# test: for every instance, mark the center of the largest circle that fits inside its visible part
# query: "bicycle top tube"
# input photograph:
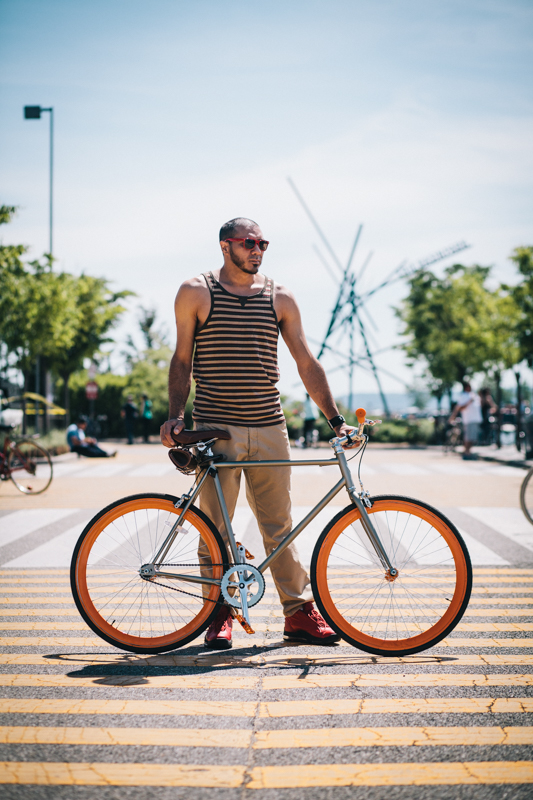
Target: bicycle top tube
(325, 462)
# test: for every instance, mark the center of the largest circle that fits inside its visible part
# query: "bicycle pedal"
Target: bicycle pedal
(247, 628)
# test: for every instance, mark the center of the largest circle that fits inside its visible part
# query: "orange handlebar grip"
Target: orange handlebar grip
(361, 415)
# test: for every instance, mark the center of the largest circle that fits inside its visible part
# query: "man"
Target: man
(230, 319)
(128, 412)
(469, 405)
(309, 417)
(84, 445)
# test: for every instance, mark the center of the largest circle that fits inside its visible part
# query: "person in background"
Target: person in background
(469, 404)
(146, 416)
(310, 416)
(488, 408)
(84, 445)
(129, 413)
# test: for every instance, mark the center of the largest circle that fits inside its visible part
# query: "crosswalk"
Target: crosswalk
(78, 715)
(46, 537)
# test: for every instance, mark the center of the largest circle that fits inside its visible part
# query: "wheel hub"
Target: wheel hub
(391, 575)
(242, 577)
(147, 572)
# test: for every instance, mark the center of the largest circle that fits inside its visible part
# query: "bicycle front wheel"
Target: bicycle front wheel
(30, 466)
(367, 606)
(128, 611)
(526, 496)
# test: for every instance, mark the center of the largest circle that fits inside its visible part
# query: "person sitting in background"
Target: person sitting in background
(84, 445)
(469, 405)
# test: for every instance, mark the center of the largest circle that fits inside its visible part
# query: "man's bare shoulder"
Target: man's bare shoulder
(284, 300)
(192, 290)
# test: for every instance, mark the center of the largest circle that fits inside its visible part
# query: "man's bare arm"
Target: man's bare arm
(179, 377)
(311, 371)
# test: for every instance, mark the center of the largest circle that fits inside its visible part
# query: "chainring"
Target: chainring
(254, 579)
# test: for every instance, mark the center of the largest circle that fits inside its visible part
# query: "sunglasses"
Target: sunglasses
(251, 243)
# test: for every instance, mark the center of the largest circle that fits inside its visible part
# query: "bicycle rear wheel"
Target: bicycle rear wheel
(30, 466)
(370, 609)
(132, 613)
(526, 496)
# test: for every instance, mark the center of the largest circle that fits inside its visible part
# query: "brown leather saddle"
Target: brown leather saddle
(182, 458)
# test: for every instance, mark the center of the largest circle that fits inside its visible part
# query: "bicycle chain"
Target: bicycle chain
(190, 594)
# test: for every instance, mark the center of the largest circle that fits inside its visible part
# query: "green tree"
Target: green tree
(522, 295)
(456, 326)
(97, 311)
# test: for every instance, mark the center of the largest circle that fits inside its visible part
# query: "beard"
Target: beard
(242, 263)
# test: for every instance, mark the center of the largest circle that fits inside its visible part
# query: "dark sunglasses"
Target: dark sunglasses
(251, 243)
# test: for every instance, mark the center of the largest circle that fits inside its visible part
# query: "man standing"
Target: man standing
(230, 319)
(128, 412)
(469, 405)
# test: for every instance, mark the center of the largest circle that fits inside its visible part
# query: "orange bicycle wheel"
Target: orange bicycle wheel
(370, 609)
(130, 612)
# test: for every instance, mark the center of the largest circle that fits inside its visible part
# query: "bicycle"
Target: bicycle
(453, 436)
(390, 574)
(25, 462)
(526, 496)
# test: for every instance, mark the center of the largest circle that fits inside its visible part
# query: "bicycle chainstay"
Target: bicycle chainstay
(190, 594)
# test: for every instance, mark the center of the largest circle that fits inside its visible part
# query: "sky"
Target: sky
(413, 119)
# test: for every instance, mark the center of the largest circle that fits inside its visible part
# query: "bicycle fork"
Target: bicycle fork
(368, 526)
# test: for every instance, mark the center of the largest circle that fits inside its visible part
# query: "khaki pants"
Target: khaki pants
(268, 493)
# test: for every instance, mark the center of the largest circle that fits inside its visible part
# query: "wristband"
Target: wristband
(334, 422)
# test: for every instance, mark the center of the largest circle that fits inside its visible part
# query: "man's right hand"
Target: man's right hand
(168, 428)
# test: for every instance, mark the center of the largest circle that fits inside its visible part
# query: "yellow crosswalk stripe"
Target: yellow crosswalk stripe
(55, 774)
(275, 709)
(118, 658)
(76, 641)
(265, 611)
(171, 737)
(436, 774)
(284, 777)
(23, 599)
(268, 683)
(274, 627)
(270, 739)
(391, 737)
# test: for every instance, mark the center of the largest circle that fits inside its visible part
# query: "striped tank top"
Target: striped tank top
(235, 363)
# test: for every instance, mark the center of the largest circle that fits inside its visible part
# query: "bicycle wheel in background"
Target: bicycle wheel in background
(526, 496)
(370, 609)
(128, 611)
(30, 466)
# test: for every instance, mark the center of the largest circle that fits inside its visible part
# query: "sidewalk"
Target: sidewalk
(507, 454)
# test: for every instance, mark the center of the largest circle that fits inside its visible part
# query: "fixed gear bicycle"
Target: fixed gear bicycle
(25, 462)
(391, 575)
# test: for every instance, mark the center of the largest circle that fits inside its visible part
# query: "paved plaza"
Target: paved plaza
(80, 719)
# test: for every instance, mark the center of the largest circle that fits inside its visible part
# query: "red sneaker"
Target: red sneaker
(218, 635)
(307, 625)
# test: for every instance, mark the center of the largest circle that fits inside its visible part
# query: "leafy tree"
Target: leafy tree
(522, 295)
(97, 311)
(456, 326)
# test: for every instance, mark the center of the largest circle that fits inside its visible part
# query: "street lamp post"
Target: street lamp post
(34, 112)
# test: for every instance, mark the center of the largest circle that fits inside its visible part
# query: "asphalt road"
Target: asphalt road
(82, 720)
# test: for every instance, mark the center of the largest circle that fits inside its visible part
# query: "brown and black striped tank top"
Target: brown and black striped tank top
(236, 359)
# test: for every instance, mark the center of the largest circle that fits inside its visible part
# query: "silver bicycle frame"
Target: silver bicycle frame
(212, 471)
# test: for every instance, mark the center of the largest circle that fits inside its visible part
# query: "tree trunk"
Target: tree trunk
(497, 378)
(518, 432)
(66, 396)
(24, 415)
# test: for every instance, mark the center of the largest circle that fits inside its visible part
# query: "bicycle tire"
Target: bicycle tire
(134, 614)
(434, 587)
(29, 481)
(526, 496)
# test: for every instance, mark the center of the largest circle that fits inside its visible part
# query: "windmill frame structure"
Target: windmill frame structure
(350, 308)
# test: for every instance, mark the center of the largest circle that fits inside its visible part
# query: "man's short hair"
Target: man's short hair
(229, 229)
